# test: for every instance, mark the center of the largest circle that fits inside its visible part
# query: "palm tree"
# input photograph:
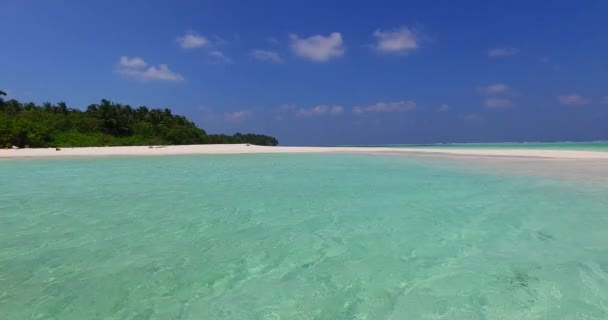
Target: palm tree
(48, 107)
(62, 108)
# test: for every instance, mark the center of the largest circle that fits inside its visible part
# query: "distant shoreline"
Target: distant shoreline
(253, 149)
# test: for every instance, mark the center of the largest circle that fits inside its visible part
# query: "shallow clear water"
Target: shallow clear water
(296, 237)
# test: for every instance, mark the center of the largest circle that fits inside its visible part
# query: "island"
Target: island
(104, 124)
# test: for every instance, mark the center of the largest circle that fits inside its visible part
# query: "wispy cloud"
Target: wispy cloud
(495, 89)
(219, 56)
(573, 100)
(134, 62)
(397, 106)
(335, 110)
(401, 40)
(320, 110)
(318, 48)
(284, 109)
(502, 52)
(288, 107)
(266, 55)
(444, 108)
(497, 103)
(604, 100)
(191, 40)
(239, 115)
(273, 41)
(137, 68)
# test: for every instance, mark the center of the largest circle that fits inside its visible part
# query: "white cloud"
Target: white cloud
(497, 103)
(502, 52)
(320, 110)
(162, 72)
(220, 56)
(398, 106)
(397, 40)
(238, 115)
(318, 48)
(444, 108)
(495, 89)
(544, 59)
(336, 110)
(604, 100)
(137, 68)
(266, 55)
(134, 62)
(191, 40)
(573, 100)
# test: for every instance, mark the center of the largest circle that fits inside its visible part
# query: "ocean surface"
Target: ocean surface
(583, 146)
(286, 236)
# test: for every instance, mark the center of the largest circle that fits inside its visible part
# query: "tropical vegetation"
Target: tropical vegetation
(104, 124)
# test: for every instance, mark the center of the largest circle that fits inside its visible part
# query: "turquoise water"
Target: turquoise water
(296, 237)
(583, 146)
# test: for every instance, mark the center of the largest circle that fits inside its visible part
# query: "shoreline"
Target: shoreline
(252, 149)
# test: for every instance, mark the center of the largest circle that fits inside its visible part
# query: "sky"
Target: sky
(324, 72)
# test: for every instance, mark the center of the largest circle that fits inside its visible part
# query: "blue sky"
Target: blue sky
(324, 72)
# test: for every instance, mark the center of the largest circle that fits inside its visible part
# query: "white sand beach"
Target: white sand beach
(251, 149)
(566, 164)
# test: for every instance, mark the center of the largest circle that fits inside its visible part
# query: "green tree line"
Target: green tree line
(104, 124)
